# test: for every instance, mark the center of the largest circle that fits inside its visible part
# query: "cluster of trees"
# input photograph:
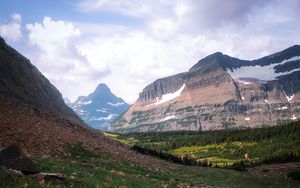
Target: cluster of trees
(165, 141)
(275, 144)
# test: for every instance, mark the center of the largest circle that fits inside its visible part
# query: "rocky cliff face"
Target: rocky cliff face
(99, 108)
(220, 92)
(21, 80)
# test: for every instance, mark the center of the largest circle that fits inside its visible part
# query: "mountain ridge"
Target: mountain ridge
(223, 87)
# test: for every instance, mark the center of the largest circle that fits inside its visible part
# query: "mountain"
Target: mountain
(220, 92)
(21, 80)
(99, 108)
(34, 116)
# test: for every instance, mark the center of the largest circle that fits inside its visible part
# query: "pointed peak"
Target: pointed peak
(216, 54)
(102, 87)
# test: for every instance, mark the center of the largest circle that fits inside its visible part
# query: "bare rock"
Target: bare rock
(12, 157)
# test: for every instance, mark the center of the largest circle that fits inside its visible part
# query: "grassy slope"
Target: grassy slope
(84, 169)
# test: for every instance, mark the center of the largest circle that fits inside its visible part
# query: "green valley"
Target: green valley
(224, 148)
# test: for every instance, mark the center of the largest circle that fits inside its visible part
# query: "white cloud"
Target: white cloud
(16, 17)
(136, 8)
(136, 59)
(12, 30)
(173, 36)
(60, 59)
(214, 14)
(51, 33)
(164, 28)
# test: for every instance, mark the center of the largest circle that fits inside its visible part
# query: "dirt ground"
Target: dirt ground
(275, 170)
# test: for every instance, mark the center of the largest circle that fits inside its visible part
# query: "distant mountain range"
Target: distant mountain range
(99, 108)
(220, 92)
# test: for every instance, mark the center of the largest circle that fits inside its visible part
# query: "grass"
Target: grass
(224, 154)
(84, 169)
(129, 140)
(219, 148)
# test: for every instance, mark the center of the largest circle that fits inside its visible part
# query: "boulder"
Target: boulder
(12, 157)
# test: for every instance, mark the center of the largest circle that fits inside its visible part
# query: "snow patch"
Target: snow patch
(243, 98)
(247, 118)
(266, 101)
(261, 72)
(243, 82)
(288, 98)
(109, 117)
(116, 104)
(283, 108)
(102, 110)
(169, 96)
(88, 102)
(80, 103)
(168, 118)
(294, 117)
(295, 58)
(81, 112)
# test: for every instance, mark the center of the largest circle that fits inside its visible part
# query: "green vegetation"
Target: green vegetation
(129, 140)
(85, 169)
(215, 154)
(225, 147)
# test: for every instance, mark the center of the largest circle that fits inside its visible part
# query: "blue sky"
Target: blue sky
(128, 44)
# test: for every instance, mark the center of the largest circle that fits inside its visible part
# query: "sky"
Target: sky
(128, 44)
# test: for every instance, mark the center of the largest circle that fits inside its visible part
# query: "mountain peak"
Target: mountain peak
(100, 107)
(216, 57)
(102, 91)
(102, 87)
(216, 54)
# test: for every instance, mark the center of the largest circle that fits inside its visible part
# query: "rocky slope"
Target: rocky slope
(99, 108)
(220, 92)
(21, 80)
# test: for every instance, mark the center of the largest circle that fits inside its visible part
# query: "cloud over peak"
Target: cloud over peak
(59, 57)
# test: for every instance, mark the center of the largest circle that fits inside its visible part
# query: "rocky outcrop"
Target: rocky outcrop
(12, 157)
(21, 80)
(220, 92)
